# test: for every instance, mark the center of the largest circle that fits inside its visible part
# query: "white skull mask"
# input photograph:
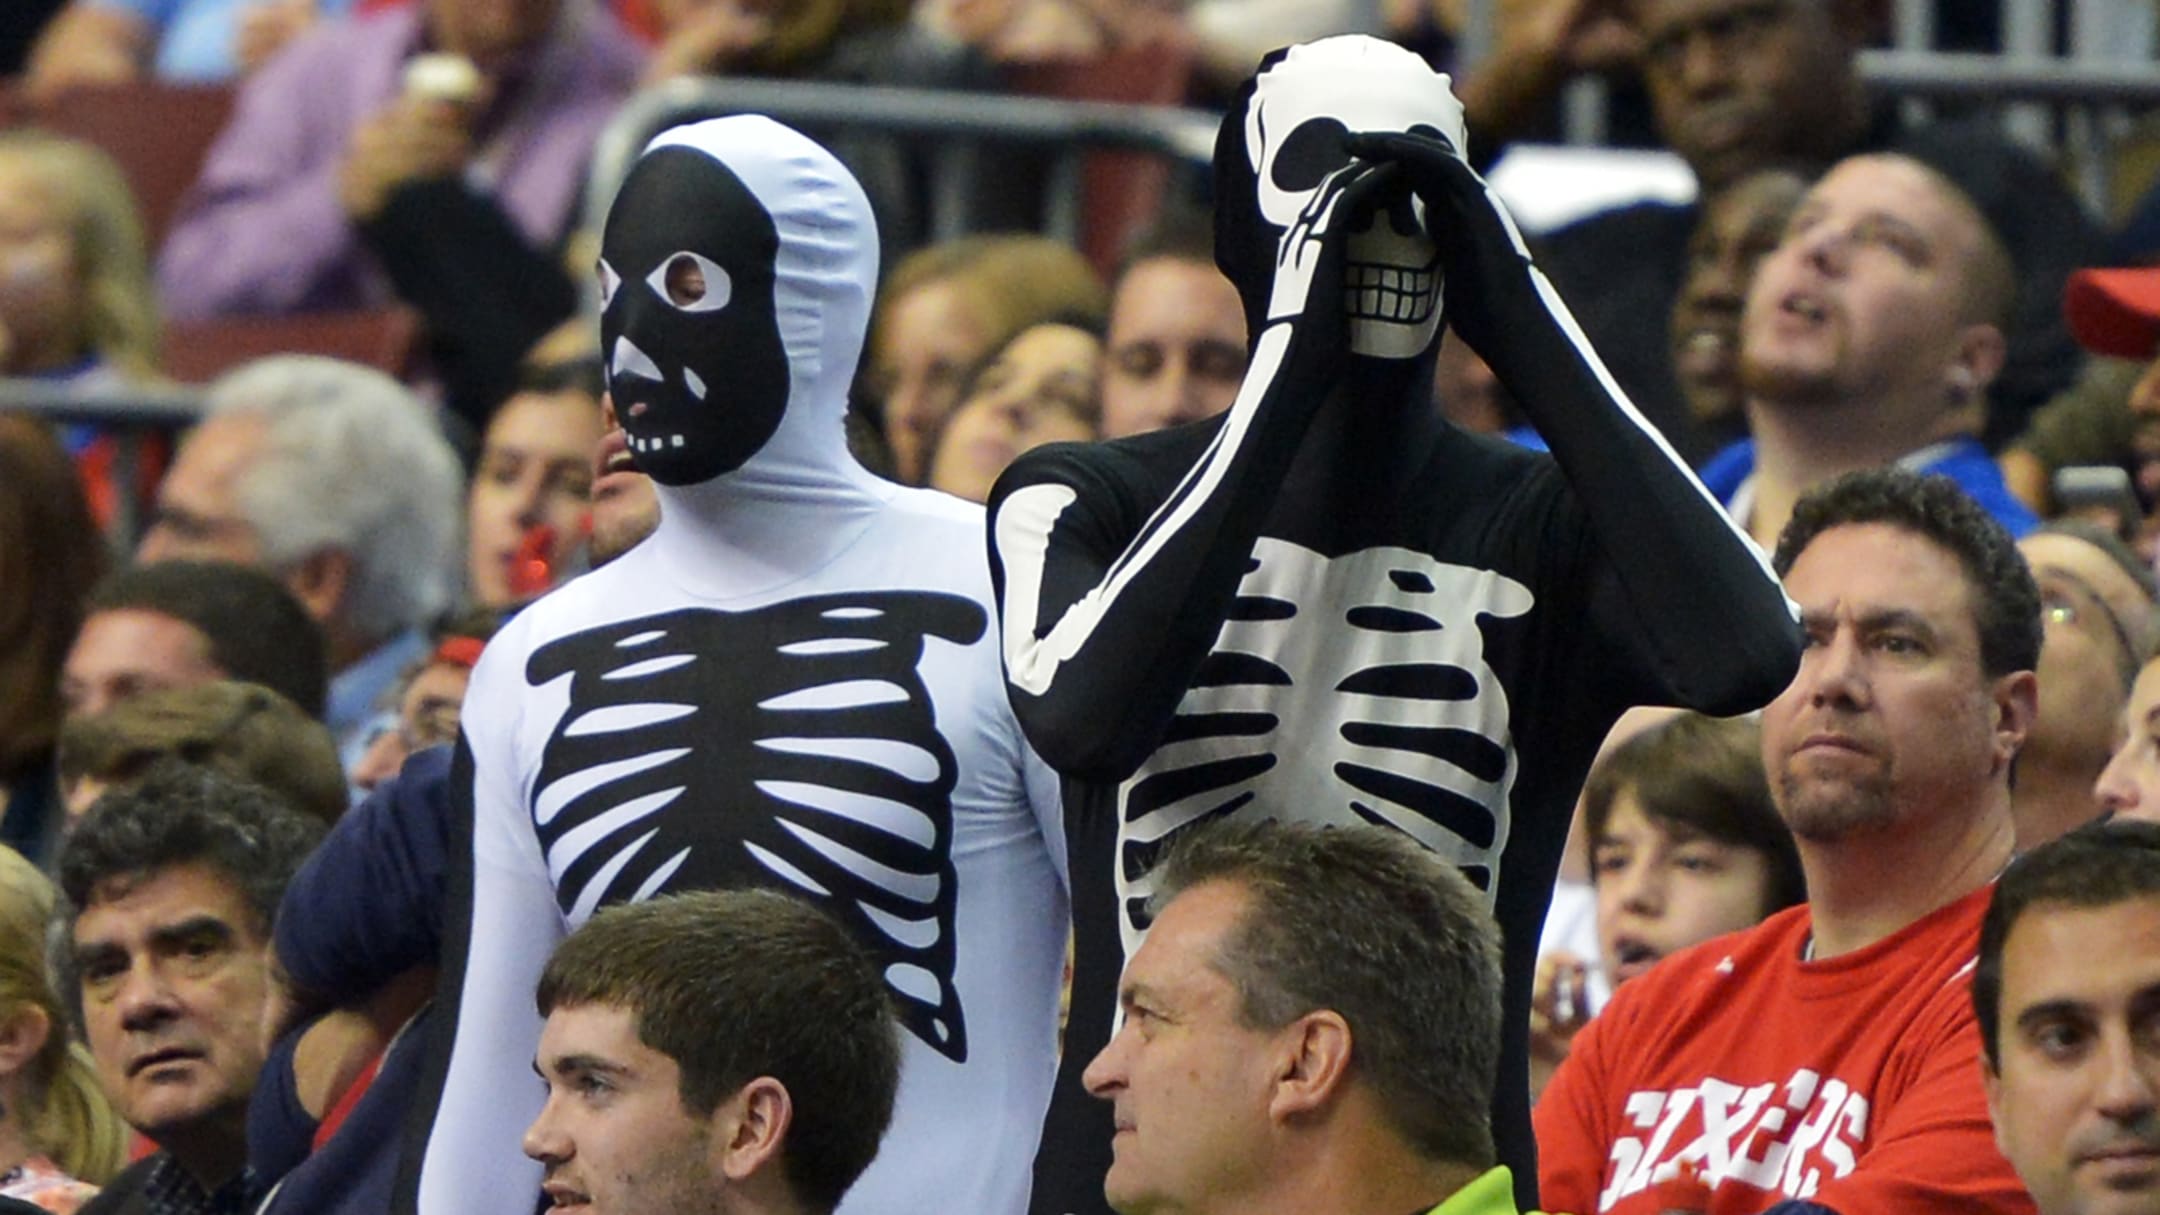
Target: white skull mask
(1301, 109)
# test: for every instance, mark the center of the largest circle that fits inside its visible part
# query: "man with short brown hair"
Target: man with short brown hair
(715, 1053)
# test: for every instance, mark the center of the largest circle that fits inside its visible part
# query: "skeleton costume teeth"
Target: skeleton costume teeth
(1302, 108)
(1329, 605)
(791, 684)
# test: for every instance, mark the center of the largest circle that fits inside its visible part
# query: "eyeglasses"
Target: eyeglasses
(2059, 604)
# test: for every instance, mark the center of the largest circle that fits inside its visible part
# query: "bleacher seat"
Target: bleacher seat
(1121, 192)
(199, 351)
(159, 133)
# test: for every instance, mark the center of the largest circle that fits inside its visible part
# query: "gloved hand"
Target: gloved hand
(1488, 278)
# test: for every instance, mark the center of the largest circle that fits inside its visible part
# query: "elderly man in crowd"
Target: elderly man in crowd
(335, 479)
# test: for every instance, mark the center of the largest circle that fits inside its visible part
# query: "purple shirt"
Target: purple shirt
(262, 230)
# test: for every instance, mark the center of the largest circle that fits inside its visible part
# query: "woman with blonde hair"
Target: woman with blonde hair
(78, 308)
(59, 1138)
(76, 297)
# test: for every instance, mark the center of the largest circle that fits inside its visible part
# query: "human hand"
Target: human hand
(712, 37)
(1559, 1005)
(412, 139)
(1574, 35)
(266, 27)
(1485, 263)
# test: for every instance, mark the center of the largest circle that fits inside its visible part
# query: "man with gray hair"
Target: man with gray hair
(334, 478)
(1313, 1024)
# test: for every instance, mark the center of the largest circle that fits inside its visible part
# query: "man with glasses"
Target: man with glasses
(2096, 603)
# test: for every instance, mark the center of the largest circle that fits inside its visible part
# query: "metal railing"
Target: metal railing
(960, 123)
(129, 414)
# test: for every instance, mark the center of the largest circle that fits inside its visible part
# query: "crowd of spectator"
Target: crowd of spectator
(1885, 945)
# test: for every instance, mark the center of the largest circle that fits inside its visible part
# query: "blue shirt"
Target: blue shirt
(1727, 475)
(195, 38)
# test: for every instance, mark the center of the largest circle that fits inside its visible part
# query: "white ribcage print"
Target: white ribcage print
(1339, 691)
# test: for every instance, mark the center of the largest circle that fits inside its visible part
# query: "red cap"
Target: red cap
(2115, 312)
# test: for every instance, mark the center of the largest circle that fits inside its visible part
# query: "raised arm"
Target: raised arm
(1108, 601)
(1686, 590)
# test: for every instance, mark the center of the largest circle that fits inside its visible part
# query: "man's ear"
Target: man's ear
(22, 1036)
(1313, 1063)
(1981, 351)
(2017, 704)
(320, 581)
(750, 1129)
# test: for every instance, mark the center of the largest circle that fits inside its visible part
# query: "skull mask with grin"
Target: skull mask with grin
(694, 354)
(1297, 112)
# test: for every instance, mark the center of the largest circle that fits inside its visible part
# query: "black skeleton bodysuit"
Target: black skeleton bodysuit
(1329, 604)
(793, 683)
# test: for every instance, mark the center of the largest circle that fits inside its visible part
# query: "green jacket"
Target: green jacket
(1493, 1193)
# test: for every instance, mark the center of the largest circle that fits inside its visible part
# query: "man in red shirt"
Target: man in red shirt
(1826, 1060)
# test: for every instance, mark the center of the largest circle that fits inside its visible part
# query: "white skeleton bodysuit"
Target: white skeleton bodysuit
(793, 683)
(1329, 604)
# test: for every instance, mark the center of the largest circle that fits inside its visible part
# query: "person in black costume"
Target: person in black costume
(1329, 604)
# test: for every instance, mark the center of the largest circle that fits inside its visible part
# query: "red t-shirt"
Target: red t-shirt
(1735, 1076)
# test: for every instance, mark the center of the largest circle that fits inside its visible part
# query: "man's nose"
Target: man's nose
(1835, 673)
(145, 1000)
(2116, 791)
(1105, 1074)
(2126, 1090)
(543, 1140)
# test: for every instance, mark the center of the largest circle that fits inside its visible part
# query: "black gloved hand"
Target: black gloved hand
(1487, 276)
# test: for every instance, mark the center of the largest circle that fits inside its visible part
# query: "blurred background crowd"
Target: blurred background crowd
(301, 393)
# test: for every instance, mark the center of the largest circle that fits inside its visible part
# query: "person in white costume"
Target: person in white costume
(793, 683)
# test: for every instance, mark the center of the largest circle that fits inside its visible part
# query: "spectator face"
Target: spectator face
(40, 294)
(1890, 719)
(1042, 388)
(614, 1135)
(489, 29)
(427, 717)
(1735, 231)
(535, 471)
(1176, 347)
(176, 986)
(198, 512)
(625, 509)
(2076, 1099)
(1187, 1080)
(1662, 886)
(927, 341)
(1862, 299)
(1736, 84)
(130, 651)
(2086, 600)
(2130, 785)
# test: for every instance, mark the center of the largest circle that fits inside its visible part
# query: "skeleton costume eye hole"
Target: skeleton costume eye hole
(609, 281)
(690, 282)
(1312, 151)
